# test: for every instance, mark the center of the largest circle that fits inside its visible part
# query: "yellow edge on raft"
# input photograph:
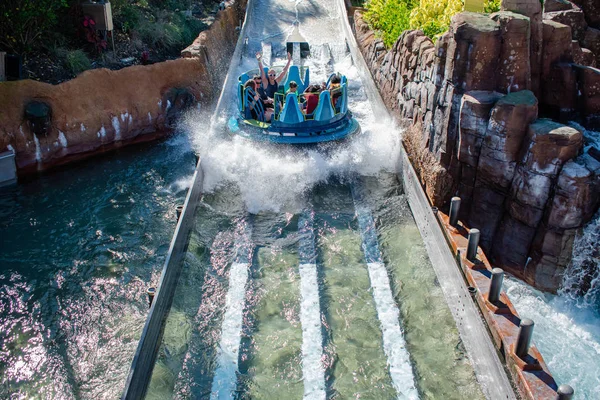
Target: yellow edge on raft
(258, 124)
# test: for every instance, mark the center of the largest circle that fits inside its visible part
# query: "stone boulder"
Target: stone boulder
(557, 5)
(582, 56)
(514, 68)
(591, 8)
(558, 91)
(576, 197)
(472, 58)
(547, 147)
(591, 41)
(532, 10)
(589, 84)
(500, 151)
(474, 115)
(573, 18)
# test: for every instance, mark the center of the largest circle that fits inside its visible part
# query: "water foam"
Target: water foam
(567, 334)
(275, 177)
(310, 312)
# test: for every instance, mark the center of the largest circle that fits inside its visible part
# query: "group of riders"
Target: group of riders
(266, 85)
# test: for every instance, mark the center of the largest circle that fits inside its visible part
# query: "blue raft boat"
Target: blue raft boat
(330, 120)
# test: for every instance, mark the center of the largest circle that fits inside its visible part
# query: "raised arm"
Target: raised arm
(263, 77)
(285, 69)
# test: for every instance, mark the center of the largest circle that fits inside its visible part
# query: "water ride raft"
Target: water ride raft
(292, 121)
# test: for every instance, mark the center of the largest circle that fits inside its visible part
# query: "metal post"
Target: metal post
(151, 292)
(473, 244)
(496, 285)
(565, 392)
(524, 340)
(454, 209)
(179, 210)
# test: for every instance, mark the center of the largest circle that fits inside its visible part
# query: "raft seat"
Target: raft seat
(324, 111)
(294, 75)
(291, 113)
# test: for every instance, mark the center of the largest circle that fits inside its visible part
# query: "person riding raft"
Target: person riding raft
(270, 85)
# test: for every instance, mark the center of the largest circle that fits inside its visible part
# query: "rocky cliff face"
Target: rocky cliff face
(472, 104)
(101, 109)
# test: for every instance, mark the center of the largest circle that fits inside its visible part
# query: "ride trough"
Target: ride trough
(329, 120)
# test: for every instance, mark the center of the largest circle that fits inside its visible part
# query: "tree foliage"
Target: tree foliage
(23, 22)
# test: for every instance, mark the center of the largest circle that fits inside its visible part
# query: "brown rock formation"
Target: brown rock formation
(549, 145)
(591, 8)
(466, 138)
(514, 68)
(591, 41)
(500, 152)
(558, 92)
(576, 196)
(533, 10)
(573, 18)
(582, 56)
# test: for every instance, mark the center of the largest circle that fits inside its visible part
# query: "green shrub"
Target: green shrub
(129, 18)
(433, 16)
(389, 17)
(491, 6)
(23, 22)
(77, 61)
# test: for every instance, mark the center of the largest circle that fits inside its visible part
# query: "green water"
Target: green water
(270, 363)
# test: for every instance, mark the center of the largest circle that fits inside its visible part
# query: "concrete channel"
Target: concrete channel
(488, 368)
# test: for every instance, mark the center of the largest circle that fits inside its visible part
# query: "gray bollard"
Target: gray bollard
(565, 392)
(473, 244)
(496, 285)
(179, 210)
(454, 209)
(524, 340)
(151, 292)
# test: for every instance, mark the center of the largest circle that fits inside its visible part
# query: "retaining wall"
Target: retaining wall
(471, 110)
(100, 110)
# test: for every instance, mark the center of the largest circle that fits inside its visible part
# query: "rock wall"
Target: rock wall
(472, 105)
(46, 125)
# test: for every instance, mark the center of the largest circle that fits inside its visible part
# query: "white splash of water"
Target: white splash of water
(567, 335)
(276, 177)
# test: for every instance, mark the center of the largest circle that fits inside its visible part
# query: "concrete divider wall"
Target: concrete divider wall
(470, 106)
(103, 109)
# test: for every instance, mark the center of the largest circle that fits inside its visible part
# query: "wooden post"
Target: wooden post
(2, 67)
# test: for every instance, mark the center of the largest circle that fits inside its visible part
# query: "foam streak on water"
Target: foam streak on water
(310, 313)
(225, 378)
(394, 344)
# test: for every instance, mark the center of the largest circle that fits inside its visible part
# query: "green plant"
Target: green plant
(23, 22)
(433, 16)
(389, 17)
(77, 61)
(129, 17)
(491, 6)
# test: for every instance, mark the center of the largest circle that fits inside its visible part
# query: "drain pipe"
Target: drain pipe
(178, 211)
(454, 209)
(524, 340)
